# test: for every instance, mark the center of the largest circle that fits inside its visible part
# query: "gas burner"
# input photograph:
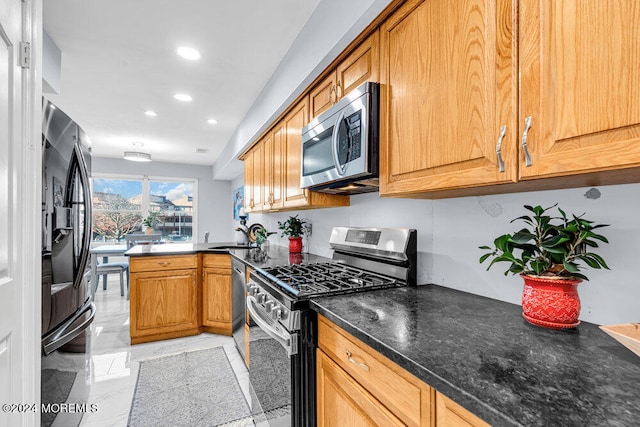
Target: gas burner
(304, 280)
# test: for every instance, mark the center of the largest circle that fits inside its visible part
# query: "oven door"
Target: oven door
(270, 368)
(335, 146)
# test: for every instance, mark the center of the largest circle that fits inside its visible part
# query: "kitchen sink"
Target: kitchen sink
(231, 247)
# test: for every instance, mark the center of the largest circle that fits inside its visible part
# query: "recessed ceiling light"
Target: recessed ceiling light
(212, 121)
(188, 53)
(182, 97)
(150, 113)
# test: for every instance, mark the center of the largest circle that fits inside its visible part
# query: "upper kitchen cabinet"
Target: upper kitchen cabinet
(293, 195)
(274, 164)
(253, 177)
(448, 96)
(580, 86)
(361, 65)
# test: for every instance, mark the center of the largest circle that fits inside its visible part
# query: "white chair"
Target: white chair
(106, 268)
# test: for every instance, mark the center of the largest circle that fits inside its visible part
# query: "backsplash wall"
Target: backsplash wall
(450, 231)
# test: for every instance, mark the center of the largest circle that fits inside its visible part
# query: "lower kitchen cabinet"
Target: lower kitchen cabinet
(216, 294)
(357, 386)
(377, 381)
(343, 402)
(164, 298)
(449, 413)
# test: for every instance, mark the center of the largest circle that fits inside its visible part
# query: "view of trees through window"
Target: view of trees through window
(121, 205)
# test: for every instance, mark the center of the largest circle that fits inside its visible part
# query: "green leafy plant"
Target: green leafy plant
(262, 235)
(549, 245)
(151, 219)
(293, 227)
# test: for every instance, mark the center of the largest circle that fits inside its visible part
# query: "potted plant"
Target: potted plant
(150, 221)
(548, 253)
(293, 227)
(258, 253)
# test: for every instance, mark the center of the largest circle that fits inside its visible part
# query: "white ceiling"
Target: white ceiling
(119, 60)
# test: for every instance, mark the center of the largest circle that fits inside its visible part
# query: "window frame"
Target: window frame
(146, 192)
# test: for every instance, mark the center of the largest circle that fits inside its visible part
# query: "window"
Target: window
(174, 201)
(121, 204)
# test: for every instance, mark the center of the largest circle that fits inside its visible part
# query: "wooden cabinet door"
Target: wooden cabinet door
(248, 181)
(341, 401)
(163, 302)
(323, 95)
(298, 117)
(450, 414)
(580, 84)
(258, 178)
(216, 301)
(447, 88)
(360, 66)
(274, 163)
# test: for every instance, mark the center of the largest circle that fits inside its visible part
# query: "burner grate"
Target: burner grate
(326, 278)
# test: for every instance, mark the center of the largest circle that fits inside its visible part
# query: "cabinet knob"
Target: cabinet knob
(338, 90)
(527, 126)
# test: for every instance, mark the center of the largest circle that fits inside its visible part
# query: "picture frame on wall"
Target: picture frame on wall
(238, 202)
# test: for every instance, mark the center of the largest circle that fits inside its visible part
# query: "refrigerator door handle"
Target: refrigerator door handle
(86, 238)
(60, 336)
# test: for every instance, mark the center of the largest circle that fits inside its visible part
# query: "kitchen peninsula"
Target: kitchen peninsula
(472, 353)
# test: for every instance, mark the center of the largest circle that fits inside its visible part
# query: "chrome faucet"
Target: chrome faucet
(245, 231)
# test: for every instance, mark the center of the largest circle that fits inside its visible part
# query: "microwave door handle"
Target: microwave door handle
(334, 144)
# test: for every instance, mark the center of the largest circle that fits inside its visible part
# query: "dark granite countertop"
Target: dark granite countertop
(276, 255)
(483, 355)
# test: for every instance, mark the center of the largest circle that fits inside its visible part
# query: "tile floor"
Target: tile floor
(107, 373)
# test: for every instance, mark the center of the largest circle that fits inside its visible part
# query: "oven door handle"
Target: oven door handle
(288, 341)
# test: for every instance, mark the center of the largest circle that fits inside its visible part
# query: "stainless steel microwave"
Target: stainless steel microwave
(340, 146)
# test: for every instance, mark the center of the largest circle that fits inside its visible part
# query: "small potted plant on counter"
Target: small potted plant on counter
(150, 221)
(259, 253)
(547, 253)
(293, 227)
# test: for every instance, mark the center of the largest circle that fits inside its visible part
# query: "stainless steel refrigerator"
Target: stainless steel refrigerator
(67, 307)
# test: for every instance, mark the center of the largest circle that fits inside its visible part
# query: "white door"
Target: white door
(19, 225)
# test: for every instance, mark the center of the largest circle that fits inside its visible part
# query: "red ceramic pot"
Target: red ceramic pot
(295, 245)
(550, 302)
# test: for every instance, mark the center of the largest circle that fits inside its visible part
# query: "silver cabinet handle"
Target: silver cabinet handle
(503, 131)
(527, 126)
(351, 360)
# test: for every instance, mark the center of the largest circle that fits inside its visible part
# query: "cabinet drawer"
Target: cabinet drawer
(217, 261)
(391, 385)
(161, 263)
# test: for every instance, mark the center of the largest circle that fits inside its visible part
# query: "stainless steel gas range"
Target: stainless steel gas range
(282, 351)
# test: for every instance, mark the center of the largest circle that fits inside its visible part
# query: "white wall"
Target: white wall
(330, 28)
(214, 206)
(450, 231)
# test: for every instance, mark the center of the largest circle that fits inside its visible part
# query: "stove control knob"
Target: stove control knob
(253, 290)
(269, 305)
(276, 313)
(261, 298)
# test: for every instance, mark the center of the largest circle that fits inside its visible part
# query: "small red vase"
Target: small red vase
(551, 303)
(295, 245)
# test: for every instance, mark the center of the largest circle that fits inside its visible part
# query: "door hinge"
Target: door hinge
(25, 54)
